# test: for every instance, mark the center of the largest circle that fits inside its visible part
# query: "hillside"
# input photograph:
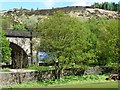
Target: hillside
(76, 9)
(83, 13)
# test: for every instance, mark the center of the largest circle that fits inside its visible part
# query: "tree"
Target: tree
(107, 6)
(118, 8)
(4, 49)
(70, 40)
(96, 5)
(114, 8)
(106, 34)
(66, 38)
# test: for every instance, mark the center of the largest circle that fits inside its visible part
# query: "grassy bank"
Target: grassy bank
(75, 84)
(96, 84)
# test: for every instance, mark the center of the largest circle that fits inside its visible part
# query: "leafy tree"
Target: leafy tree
(96, 5)
(67, 38)
(84, 43)
(107, 6)
(118, 7)
(113, 38)
(106, 34)
(114, 8)
(4, 49)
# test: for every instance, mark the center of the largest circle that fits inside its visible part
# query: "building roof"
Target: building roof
(20, 34)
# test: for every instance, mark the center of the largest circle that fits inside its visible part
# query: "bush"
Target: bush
(40, 68)
(67, 79)
(5, 50)
(110, 69)
(19, 27)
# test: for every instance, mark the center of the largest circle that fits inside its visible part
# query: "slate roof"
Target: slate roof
(20, 34)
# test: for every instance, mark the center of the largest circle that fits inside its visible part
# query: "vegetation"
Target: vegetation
(6, 23)
(40, 68)
(107, 6)
(59, 37)
(105, 41)
(5, 50)
(29, 22)
(19, 27)
(71, 41)
(88, 85)
(20, 23)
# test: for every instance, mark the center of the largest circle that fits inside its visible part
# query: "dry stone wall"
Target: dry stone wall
(20, 76)
(9, 78)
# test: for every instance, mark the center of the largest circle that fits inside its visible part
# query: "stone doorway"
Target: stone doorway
(19, 56)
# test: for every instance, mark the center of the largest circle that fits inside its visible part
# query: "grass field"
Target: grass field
(88, 85)
(75, 84)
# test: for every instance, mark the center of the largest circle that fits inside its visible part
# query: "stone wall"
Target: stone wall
(94, 70)
(20, 76)
(9, 78)
(102, 70)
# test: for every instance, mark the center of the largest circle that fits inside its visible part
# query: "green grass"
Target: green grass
(87, 85)
(75, 84)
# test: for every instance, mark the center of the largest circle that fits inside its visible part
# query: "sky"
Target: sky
(46, 4)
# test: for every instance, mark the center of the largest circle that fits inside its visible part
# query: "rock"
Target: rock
(93, 70)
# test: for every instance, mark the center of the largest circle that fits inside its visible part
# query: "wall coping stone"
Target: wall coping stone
(21, 70)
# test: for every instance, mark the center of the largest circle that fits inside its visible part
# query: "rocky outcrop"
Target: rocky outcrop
(76, 10)
(103, 13)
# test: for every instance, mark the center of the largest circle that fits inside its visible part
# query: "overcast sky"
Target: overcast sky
(46, 4)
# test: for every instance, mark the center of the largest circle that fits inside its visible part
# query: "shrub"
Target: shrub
(40, 68)
(5, 50)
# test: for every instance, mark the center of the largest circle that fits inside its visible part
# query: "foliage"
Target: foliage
(107, 6)
(6, 23)
(67, 79)
(67, 38)
(40, 68)
(105, 40)
(75, 66)
(29, 22)
(94, 42)
(60, 34)
(19, 27)
(5, 49)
